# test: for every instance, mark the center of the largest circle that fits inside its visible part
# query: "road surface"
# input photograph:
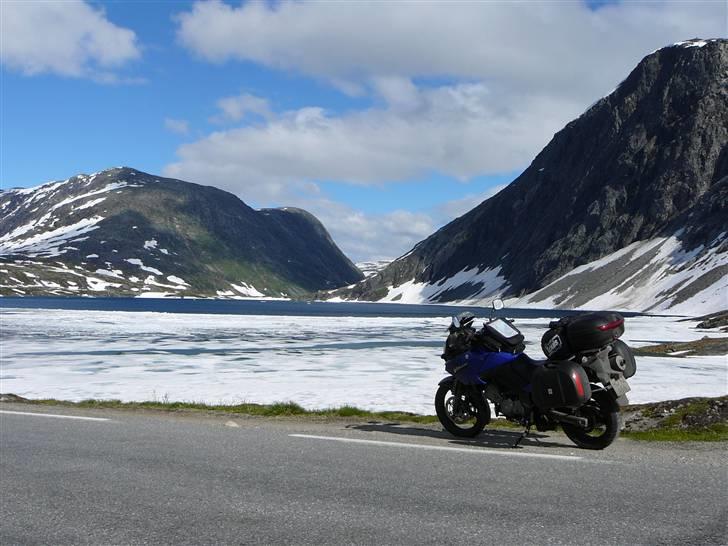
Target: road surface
(135, 477)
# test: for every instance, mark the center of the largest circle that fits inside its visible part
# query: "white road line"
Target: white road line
(54, 416)
(475, 450)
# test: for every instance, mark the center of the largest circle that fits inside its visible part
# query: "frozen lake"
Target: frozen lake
(377, 363)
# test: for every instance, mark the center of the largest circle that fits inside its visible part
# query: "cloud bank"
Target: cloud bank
(68, 38)
(458, 89)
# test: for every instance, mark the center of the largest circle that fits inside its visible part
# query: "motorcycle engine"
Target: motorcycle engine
(510, 407)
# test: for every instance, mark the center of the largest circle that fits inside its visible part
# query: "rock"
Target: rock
(715, 320)
(12, 398)
(684, 414)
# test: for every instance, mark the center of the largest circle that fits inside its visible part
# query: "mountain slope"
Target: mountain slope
(643, 164)
(124, 232)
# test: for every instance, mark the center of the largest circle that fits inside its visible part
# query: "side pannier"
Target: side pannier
(560, 385)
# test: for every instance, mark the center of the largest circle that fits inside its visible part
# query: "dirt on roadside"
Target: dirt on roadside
(710, 346)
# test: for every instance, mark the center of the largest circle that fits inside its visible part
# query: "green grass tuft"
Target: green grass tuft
(714, 433)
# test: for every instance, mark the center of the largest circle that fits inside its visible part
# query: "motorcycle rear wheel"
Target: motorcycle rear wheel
(603, 415)
(465, 415)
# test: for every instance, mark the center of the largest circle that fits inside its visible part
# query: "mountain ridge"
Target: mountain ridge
(630, 168)
(134, 233)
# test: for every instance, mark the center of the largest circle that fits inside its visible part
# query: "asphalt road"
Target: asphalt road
(151, 478)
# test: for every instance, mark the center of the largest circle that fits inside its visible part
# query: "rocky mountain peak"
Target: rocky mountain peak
(625, 171)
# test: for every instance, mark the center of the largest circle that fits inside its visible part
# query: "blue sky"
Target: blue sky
(386, 120)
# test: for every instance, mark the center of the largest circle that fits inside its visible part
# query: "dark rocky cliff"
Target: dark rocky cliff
(632, 167)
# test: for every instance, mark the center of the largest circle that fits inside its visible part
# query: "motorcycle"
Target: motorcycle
(580, 387)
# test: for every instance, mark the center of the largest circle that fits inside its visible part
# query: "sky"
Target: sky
(385, 119)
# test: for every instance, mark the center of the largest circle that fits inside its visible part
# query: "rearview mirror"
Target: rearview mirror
(498, 304)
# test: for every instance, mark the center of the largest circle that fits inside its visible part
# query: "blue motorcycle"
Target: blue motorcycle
(580, 386)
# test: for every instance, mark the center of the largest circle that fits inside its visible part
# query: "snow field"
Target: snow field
(318, 362)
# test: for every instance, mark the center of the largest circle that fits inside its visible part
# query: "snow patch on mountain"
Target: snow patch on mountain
(105, 189)
(46, 243)
(470, 284)
(655, 275)
(138, 262)
(247, 290)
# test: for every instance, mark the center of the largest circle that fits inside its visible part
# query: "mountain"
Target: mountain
(625, 207)
(372, 267)
(125, 232)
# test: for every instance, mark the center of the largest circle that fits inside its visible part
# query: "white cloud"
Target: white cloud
(525, 70)
(364, 237)
(179, 126)
(561, 48)
(371, 236)
(238, 107)
(69, 38)
(462, 131)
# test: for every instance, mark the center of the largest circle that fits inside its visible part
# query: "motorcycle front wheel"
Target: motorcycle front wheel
(603, 415)
(464, 414)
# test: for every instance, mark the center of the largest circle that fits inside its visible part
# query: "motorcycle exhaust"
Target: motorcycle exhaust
(582, 422)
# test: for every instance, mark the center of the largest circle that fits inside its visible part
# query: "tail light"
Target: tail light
(578, 383)
(611, 325)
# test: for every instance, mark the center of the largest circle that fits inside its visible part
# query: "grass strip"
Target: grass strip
(278, 409)
(715, 433)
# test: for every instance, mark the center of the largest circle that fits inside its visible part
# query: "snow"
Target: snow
(605, 283)
(110, 273)
(671, 267)
(92, 256)
(97, 285)
(175, 279)
(48, 242)
(152, 281)
(91, 203)
(245, 289)
(374, 363)
(110, 187)
(155, 295)
(692, 43)
(489, 280)
(150, 244)
(138, 262)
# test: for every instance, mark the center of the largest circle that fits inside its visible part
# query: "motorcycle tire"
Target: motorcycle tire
(466, 421)
(603, 415)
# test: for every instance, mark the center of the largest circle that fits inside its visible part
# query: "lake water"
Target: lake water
(267, 307)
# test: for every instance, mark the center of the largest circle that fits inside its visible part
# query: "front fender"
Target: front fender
(449, 380)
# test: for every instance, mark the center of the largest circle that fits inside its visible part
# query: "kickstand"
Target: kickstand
(523, 435)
